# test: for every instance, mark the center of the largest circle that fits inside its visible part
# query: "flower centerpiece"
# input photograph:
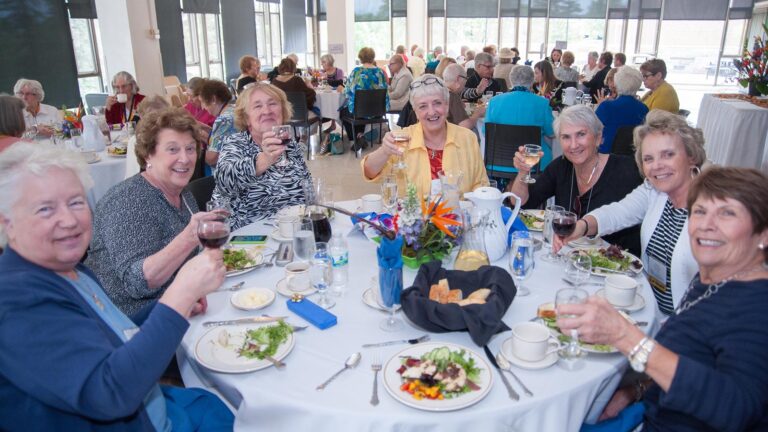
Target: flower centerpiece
(72, 120)
(429, 228)
(753, 67)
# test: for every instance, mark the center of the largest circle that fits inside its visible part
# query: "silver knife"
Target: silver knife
(251, 320)
(512, 393)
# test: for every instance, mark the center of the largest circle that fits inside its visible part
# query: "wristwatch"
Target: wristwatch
(638, 357)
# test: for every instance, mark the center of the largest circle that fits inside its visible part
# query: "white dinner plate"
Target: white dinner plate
(599, 271)
(212, 355)
(636, 305)
(392, 380)
(256, 252)
(539, 214)
(252, 298)
(282, 289)
(506, 351)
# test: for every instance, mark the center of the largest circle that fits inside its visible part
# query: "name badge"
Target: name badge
(130, 333)
(657, 274)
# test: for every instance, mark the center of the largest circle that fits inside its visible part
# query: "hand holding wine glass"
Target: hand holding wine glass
(531, 156)
(402, 138)
(563, 225)
(285, 134)
(213, 233)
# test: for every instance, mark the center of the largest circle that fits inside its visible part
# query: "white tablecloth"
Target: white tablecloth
(106, 173)
(735, 132)
(286, 400)
(329, 102)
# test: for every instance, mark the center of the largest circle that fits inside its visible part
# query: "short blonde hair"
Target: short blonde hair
(665, 123)
(366, 55)
(241, 108)
(567, 58)
(246, 61)
(150, 126)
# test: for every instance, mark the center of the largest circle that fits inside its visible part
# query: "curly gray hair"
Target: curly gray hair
(627, 80)
(32, 85)
(36, 159)
(521, 75)
(580, 115)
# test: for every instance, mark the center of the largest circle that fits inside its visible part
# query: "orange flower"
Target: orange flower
(437, 213)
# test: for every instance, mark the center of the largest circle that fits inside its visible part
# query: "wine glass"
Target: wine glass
(221, 207)
(549, 215)
(531, 154)
(390, 288)
(402, 139)
(389, 194)
(303, 239)
(320, 274)
(571, 296)
(563, 224)
(284, 133)
(213, 233)
(77, 138)
(578, 268)
(521, 260)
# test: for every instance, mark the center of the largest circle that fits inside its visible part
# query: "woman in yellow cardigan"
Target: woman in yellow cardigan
(435, 144)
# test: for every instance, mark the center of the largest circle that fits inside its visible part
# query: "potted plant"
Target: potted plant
(753, 67)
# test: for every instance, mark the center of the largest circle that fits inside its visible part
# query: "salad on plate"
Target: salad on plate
(439, 374)
(612, 260)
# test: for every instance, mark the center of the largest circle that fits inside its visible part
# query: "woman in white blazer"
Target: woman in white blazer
(669, 154)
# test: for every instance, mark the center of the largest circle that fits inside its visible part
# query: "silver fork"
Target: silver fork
(375, 367)
(235, 287)
(278, 364)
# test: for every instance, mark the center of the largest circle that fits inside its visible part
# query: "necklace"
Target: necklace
(712, 289)
(591, 175)
(76, 280)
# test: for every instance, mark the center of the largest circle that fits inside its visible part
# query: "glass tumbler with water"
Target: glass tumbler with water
(303, 239)
(320, 272)
(571, 296)
(549, 215)
(521, 261)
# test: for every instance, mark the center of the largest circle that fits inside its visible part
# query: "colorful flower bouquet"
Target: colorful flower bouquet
(753, 67)
(72, 120)
(429, 228)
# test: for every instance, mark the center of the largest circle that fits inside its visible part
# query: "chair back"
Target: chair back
(202, 190)
(685, 113)
(622, 142)
(299, 102)
(502, 84)
(171, 80)
(370, 103)
(93, 100)
(501, 143)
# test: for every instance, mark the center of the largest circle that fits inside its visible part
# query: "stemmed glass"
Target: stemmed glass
(578, 268)
(213, 233)
(549, 216)
(284, 133)
(563, 224)
(571, 296)
(532, 154)
(521, 260)
(390, 288)
(389, 193)
(402, 138)
(320, 274)
(220, 207)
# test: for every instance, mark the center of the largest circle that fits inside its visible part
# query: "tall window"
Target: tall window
(86, 39)
(268, 32)
(372, 26)
(202, 45)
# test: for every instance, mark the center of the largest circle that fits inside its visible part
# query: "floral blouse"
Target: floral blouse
(222, 127)
(255, 197)
(363, 78)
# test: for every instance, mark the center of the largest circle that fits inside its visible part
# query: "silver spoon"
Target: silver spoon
(351, 362)
(234, 287)
(504, 364)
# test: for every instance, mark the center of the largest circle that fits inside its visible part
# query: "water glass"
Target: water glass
(389, 194)
(578, 268)
(221, 207)
(549, 215)
(284, 133)
(303, 239)
(521, 262)
(571, 296)
(390, 287)
(320, 273)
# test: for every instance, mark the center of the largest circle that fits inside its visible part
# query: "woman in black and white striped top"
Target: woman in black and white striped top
(248, 173)
(669, 154)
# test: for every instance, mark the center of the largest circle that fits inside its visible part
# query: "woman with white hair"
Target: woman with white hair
(122, 107)
(581, 179)
(71, 360)
(435, 144)
(625, 110)
(334, 75)
(39, 118)
(591, 68)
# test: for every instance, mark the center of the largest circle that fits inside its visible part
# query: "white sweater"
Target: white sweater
(645, 204)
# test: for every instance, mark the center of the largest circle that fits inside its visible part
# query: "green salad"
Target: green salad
(612, 258)
(552, 323)
(272, 336)
(531, 221)
(237, 259)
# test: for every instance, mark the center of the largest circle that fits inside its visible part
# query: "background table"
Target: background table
(106, 173)
(329, 102)
(735, 132)
(272, 400)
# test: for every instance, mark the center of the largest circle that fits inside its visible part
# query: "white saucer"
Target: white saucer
(282, 289)
(506, 351)
(369, 298)
(278, 238)
(637, 305)
(239, 298)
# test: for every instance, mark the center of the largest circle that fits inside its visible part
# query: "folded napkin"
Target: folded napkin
(482, 321)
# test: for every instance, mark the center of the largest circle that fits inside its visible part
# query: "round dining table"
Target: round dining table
(106, 172)
(286, 399)
(329, 101)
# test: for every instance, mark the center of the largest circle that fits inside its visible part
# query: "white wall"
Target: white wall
(417, 24)
(341, 30)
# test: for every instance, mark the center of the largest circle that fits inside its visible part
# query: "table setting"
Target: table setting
(392, 347)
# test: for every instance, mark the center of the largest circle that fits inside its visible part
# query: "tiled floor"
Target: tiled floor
(343, 174)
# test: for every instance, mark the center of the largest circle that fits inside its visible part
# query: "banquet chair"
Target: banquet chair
(171, 80)
(202, 190)
(93, 100)
(684, 113)
(502, 84)
(623, 141)
(301, 116)
(501, 143)
(370, 108)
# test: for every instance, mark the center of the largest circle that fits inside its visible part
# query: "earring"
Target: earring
(149, 165)
(761, 246)
(695, 171)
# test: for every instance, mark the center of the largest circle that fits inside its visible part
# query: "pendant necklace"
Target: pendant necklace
(712, 289)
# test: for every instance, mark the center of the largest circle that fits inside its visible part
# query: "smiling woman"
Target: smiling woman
(145, 228)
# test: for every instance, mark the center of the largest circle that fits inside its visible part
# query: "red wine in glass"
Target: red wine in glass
(321, 227)
(213, 233)
(563, 224)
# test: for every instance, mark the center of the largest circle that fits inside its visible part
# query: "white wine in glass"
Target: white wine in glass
(389, 193)
(402, 138)
(532, 155)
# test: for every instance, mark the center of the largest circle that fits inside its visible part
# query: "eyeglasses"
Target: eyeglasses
(484, 65)
(426, 82)
(463, 76)
(646, 76)
(22, 94)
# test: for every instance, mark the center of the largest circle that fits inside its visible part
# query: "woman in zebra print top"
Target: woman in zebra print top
(669, 154)
(247, 172)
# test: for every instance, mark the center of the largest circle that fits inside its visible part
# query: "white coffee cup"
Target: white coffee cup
(285, 225)
(533, 342)
(371, 203)
(620, 290)
(297, 276)
(122, 97)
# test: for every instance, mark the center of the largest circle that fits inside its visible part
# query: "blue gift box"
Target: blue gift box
(313, 313)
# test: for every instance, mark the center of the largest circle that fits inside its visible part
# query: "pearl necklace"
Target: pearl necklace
(712, 289)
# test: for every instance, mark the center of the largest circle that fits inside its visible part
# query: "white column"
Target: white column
(341, 32)
(129, 39)
(417, 24)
